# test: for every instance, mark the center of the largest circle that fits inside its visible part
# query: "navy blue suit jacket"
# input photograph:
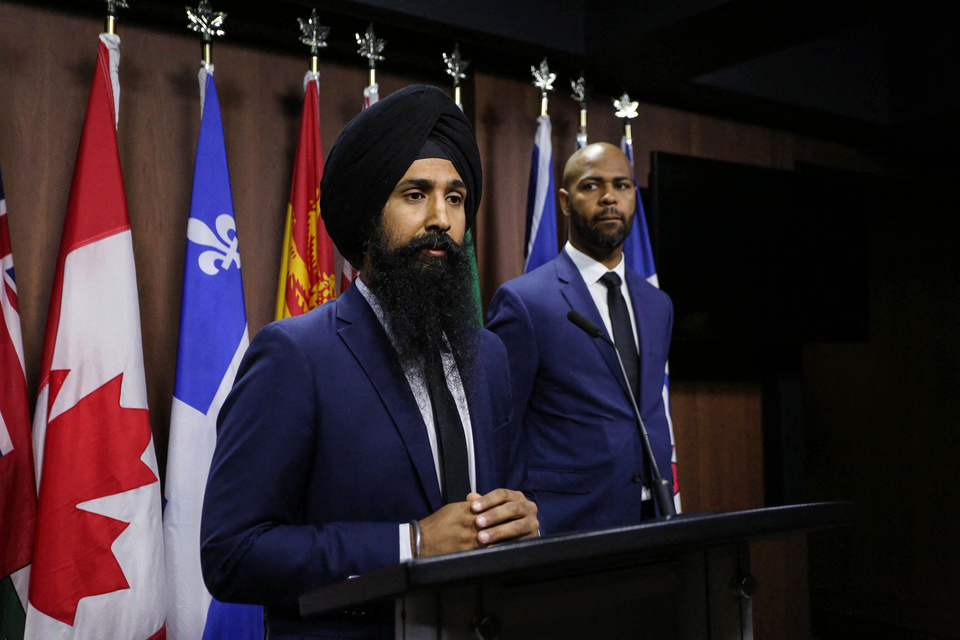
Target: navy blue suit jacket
(321, 453)
(580, 446)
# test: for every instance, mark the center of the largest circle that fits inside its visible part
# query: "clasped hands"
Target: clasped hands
(478, 522)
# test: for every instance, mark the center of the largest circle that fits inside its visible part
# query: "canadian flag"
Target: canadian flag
(98, 554)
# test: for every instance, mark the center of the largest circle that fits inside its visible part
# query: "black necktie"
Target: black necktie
(451, 442)
(622, 328)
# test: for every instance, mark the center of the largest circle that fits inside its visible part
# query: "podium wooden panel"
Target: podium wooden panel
(685, 578)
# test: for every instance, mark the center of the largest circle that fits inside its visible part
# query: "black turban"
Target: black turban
(374, 151)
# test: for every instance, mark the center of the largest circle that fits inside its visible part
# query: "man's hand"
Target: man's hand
(481, 521)
(504, 515)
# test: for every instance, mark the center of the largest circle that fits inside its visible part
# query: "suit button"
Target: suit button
(636, 478)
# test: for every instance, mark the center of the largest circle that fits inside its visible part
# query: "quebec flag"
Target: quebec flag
(541, 232)
(213, 339)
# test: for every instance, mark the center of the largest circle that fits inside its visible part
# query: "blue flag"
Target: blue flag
(213, 339)
(540, 244)
(636, 249)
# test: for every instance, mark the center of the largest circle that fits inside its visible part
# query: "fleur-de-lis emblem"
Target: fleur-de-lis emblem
(542, 78)
(625, 107)
(206, 21)
(224, 246)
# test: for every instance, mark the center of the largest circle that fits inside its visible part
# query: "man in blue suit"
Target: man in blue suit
(376, 428)
(582, 457)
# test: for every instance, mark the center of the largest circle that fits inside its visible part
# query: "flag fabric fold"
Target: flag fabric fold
(540, 241)
(97, 567)
(213, 339)
(638, 255)
(307, 277)
(18, 493)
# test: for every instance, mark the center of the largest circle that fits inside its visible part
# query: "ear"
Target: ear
(564, 197)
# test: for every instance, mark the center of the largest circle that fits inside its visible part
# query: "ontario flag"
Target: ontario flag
(307, 277)
(213, 339)
(638, 255)
(541, 229)
(18, 492)
(98, 557)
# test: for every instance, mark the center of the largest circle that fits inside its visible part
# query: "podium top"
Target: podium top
(562, 554)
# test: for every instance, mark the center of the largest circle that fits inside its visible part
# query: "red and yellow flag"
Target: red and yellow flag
(306, 267)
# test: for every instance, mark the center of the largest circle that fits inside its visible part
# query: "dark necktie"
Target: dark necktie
(622, 328)
(451, 442)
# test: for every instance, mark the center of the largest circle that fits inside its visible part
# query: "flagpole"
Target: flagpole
(371, 48)
(626, 111)
(207, 22)
(580, 95)
(543, 80)
(455, 69)
(111, 23)
(315, 37)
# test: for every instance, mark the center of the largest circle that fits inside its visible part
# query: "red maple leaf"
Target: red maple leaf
(92, 451)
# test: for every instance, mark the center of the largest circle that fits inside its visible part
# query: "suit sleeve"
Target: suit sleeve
(510, 320)
(257, 545)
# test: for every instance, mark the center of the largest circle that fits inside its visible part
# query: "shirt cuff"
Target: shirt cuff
(406, 554)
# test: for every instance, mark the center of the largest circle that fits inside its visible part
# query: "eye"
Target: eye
(455, 198)
(414, 196)
(589, 186)
(624, 185)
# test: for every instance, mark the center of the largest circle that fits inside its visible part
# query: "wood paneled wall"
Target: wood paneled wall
(46, 63)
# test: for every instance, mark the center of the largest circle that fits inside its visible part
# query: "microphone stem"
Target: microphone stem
(660, 488)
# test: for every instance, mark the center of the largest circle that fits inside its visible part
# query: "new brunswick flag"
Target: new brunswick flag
(307, 277)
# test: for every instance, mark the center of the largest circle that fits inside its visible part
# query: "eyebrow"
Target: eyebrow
(427, 183)
(600, 179)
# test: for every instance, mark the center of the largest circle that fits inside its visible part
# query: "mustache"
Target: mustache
(613, 210)
(440, 241)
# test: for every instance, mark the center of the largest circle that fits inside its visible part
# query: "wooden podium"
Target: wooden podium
(686, 578)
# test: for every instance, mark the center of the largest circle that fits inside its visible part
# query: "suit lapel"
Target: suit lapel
(363, 334)
(482, 425)
(575, 291)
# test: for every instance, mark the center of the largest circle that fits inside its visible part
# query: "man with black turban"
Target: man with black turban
(377, 427)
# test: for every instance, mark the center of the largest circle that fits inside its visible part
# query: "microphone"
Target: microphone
(661, 488)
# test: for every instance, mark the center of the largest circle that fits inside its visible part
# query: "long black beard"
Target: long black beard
(428, 301)
(596, 239)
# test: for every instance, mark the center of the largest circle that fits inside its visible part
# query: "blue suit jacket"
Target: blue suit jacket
(321, 453)
(580, 445)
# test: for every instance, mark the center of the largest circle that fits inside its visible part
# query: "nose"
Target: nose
(609, 196)
(438, 218)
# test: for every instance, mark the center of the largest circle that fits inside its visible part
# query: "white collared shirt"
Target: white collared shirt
(591, 271)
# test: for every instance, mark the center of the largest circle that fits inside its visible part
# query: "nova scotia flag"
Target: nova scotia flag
(541, 233)
(213, 338)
